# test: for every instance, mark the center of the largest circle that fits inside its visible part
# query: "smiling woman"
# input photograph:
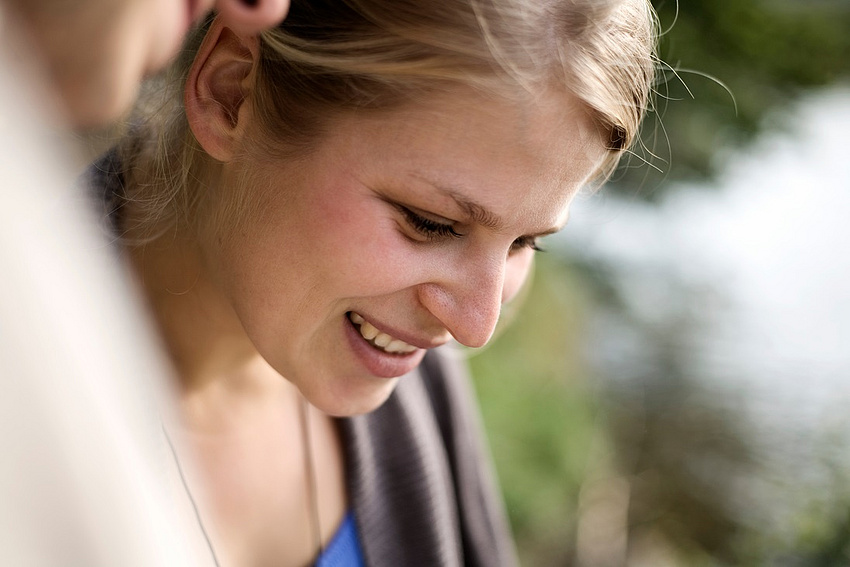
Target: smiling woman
(314, 213)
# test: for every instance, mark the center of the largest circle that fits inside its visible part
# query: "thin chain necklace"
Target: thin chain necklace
(309, 469)
(310, 472)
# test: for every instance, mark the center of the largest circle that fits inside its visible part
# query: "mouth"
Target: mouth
(377, 339)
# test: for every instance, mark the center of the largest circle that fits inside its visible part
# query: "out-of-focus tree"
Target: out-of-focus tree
(542, 416)
(728, 67)
(632, 460)
(682, 450)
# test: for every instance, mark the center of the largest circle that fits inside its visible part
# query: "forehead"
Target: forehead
(520, 159)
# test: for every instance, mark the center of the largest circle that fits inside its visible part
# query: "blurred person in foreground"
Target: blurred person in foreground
(86, 476)
(315, 212)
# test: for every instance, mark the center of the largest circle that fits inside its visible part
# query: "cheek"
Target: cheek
(361, 241)
(516, 273)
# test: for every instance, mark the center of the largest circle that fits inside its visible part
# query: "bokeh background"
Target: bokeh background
(675, 389)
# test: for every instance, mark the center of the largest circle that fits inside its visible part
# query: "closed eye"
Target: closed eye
(523, 242)
(430, 229)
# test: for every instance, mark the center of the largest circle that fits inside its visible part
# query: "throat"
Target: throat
(203, 335)
(267, 495)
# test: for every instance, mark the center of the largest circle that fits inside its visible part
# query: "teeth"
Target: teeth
(399, 346)
(378, 339)
(368, 331)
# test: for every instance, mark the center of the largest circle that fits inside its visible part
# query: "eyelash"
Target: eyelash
(434, 230)
(526, 242)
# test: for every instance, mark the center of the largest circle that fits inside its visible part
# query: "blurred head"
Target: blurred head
(369, 179)
(96, 52)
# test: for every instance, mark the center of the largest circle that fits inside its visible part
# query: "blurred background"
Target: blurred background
(675, 389)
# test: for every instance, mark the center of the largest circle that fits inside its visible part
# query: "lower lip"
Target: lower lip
(379, 363)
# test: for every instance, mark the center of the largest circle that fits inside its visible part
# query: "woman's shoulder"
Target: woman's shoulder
(419, 473)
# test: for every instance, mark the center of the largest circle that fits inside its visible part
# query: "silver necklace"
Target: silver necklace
(310, 472)
(309, 469)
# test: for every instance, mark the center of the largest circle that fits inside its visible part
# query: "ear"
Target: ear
(218, 85)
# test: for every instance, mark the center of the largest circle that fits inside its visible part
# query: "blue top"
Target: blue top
(344, 549)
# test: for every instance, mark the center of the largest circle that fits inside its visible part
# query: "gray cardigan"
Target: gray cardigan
(419, 474)
(420, 478)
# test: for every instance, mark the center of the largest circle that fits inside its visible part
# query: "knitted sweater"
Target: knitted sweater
(420, 478)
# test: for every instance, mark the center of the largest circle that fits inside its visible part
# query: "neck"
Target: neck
(269, 466)
(202, 333)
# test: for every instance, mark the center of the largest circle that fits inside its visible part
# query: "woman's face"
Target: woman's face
(399, 233)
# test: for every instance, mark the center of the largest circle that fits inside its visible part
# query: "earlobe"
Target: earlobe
(219, 83)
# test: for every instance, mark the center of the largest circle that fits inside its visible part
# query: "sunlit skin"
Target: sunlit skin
(336, 233)
(420, 220)
(96, 52)
(339, 234)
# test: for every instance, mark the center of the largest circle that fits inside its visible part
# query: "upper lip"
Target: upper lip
(417, 341)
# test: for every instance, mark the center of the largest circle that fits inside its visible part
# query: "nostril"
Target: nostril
(251, 3)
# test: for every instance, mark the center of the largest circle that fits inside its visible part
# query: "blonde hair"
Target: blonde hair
(336, 56)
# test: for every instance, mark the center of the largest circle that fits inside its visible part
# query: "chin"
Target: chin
(351, 397)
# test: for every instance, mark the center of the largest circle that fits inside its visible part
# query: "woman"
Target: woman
(318, 210)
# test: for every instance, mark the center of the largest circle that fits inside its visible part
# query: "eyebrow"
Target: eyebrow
(478, 213)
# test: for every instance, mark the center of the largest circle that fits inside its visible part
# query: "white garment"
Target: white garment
(86, 477)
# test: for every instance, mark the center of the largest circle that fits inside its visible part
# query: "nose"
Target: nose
(467, 298)
(252, 16)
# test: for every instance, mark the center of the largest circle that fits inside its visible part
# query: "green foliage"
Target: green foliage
(698, 494)
(541, 417)
(728, 65)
